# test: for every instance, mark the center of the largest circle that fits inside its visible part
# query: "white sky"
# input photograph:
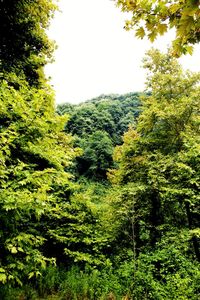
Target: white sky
(96, 55)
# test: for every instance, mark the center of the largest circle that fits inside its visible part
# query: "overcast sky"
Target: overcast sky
(96, 55)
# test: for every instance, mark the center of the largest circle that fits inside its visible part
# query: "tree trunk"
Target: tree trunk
(190, 224)
(155, 218)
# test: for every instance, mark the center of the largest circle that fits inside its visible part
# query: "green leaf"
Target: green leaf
(189, 49)
(174, 7)
(31, 274)
(13, 250)
(152, 36)
(3, 278)
(140, 32)
(162, 28)
(2, 270)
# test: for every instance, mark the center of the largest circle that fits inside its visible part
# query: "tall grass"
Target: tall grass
(74, 284)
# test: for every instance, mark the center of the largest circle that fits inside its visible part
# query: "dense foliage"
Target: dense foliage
(110, 113)
(98, 125)
(33, 155)
(25, 46)
(66, 232)
(158, 183)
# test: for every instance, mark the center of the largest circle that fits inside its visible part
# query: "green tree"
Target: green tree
(97, 155)
(87, 118)
(78, 232)
(159, 161)
(34, 153)
(109, 113)
(25, 46)
(66, 108)
(153, 18)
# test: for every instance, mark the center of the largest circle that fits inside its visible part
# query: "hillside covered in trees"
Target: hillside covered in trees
(98, 200)
(98, 126)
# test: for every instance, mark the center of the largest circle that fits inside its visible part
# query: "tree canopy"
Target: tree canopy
(98, 125)
(24, 44)
(157, 181)
(153, 18)
(159, 161)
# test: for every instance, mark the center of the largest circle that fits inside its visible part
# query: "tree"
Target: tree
(25, 46)
(153, 18)
(87, 118)
(159, 162)
(78, 232)
(109, 113)
(38, 211)
(97, 155)
(98, 125)
(66, 108)
(34, 153)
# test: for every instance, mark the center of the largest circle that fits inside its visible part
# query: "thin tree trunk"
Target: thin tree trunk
(194, 239)
(156, 218)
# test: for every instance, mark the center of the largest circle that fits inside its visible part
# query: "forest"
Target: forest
(99, 200)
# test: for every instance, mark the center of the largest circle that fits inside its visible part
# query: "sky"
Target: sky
(95, 55)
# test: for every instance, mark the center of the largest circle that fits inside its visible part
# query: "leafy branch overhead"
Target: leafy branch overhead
(155, 17)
